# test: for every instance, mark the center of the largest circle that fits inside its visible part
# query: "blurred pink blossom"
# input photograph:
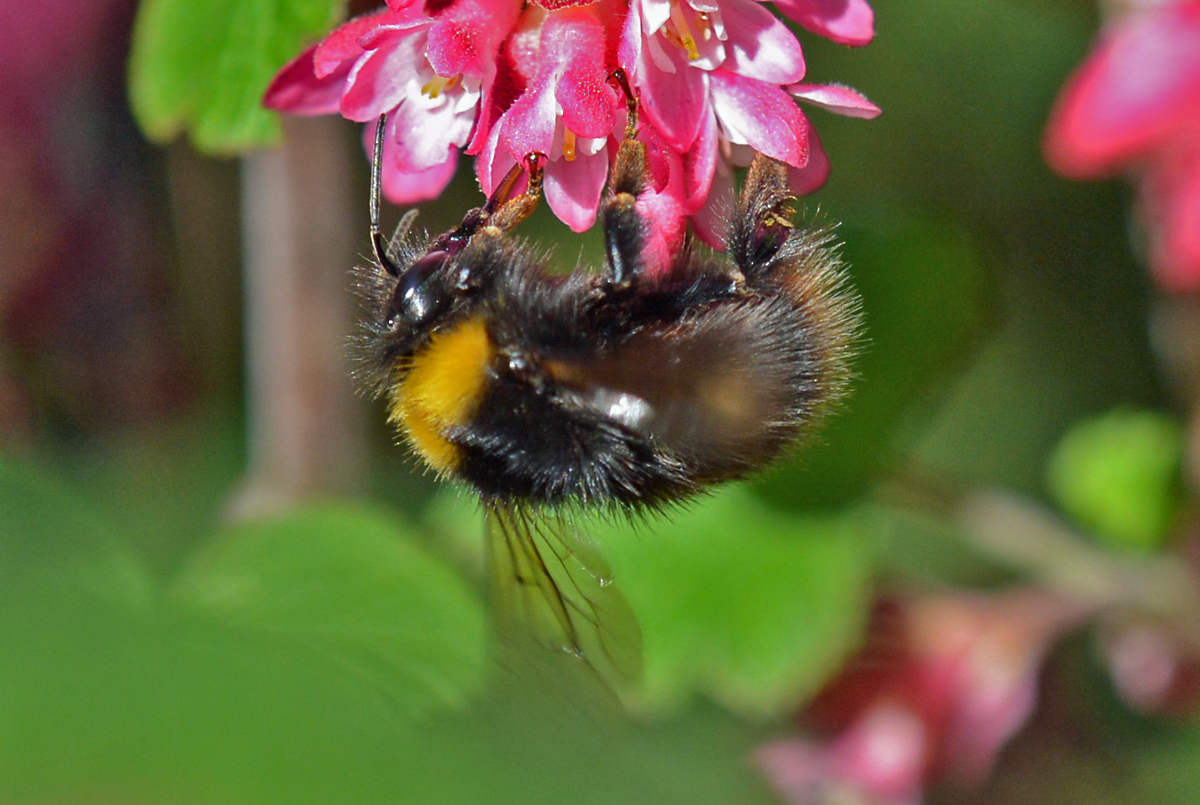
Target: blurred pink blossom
(1134, 105)
(942, 684)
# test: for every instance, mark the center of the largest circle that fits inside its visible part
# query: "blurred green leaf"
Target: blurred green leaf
(1118, 476)
(923, 290)
(351, 582)
(203, 65)
(536, 741)
(54, 542)
(919, 548)
(745, 605)
(163, 487)
(1168, 768)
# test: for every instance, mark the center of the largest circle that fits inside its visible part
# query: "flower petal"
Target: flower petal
(573, 40)
(342, 43)
(297, 89)
(409, 187)
(660, 157)
(466, 36)
(423, 130)
(1170, 207)
(760, 115)
(573, 188)
(835, 98)
(759, 45)
(1140, 85)
(672, 101)
(847, 22)
(493, 162)
(381, 80)
(528, 125)
(700, 163)
(812, 176)
(665, 233)
(711, 222)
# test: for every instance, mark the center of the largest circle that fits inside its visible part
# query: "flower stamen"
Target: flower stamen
(437, 85)
(678, 32)
(568, 147)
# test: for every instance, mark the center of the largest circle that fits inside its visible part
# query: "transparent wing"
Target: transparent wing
(547, 579)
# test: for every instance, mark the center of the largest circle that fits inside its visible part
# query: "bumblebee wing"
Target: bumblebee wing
(548, 579)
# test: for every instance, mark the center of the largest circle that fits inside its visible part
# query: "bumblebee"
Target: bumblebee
(622, 390)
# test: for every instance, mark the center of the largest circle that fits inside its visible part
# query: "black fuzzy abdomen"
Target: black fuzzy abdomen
(527, 444)
(712, 396)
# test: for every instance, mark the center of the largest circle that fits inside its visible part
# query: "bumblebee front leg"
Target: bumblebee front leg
(624, 229)
(504, 211)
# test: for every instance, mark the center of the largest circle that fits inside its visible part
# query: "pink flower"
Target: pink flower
(568, 111)
(716, 80)
(709, 76)
(942, 685)
(1134, 105)
(741, 134)
(669, 49)
(431, 75)
(847, 22)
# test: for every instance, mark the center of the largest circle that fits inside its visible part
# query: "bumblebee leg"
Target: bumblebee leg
(382, 254)
(624, 235)
(762, 221)
(505, 212)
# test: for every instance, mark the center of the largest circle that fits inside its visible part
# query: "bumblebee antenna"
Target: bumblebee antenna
(381, 252)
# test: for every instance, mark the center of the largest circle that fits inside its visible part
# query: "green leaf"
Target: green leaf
(54, 543)
(203, 65)
(1118, 476)
(349, 582)
(737, 602)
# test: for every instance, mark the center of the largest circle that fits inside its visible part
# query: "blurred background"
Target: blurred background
(222, 581)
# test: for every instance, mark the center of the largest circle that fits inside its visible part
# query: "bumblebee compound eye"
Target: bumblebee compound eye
(422, 292)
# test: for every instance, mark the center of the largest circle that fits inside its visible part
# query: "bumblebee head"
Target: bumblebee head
(424, 292)
(401, 311)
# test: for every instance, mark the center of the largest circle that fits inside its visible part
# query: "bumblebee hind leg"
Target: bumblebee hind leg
(762, 220)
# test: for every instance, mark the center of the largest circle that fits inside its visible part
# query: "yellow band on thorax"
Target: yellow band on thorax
(442, 391)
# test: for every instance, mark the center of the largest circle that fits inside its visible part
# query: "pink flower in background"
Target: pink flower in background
(1134, 105)
(716, 81)
(940, 688)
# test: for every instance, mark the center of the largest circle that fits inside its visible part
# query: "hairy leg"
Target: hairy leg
(624, 229)
(762, 221)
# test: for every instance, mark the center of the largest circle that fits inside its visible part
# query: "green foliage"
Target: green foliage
(52, 540)
(748, 606)
(203, 65)
(318, 657)
(1118, 476)
(350, 582)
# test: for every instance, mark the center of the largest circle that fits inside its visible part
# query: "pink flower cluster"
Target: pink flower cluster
(498, 79)
(1134, 105)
